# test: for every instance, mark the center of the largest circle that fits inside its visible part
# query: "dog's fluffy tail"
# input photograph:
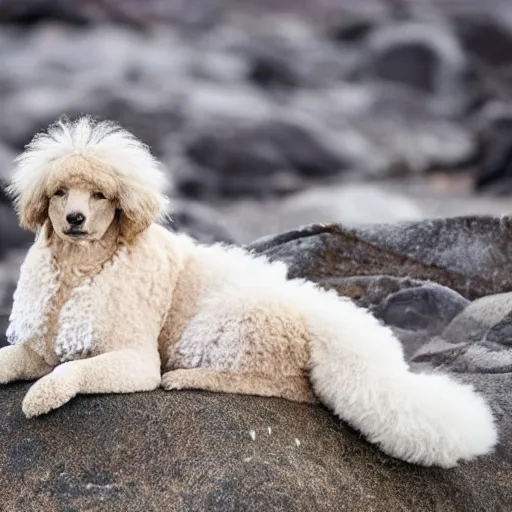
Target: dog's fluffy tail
(358, 370)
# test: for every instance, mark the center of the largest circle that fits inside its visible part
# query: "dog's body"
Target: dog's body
(131, 306)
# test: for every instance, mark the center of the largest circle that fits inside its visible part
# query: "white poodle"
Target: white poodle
(108, 301)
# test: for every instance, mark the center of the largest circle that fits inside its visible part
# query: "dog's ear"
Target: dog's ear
(32, 209)
(139, 208)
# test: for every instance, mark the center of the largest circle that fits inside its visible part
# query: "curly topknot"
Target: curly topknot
(103, 140)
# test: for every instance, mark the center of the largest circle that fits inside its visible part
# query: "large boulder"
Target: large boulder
(494, 173)
(486, 37)
(470, 255)
(201, 451)
(205, 451)
(265, 159)
(418, 55)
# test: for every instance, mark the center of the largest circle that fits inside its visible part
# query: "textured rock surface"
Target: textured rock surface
(471, 255)
(194, 451)
(478, 340)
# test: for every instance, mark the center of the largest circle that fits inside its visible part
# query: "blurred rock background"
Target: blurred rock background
(270, 114)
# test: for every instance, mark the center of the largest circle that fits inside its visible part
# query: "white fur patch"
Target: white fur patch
(79, 316)
(33, 302)
(76, 324)
(36, 288)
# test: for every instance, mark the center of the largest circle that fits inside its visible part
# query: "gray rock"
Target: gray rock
(4, 324)
(285, 53)
(494, 174)
(255, 161)
(474, 247)
(421, 56)
(194, 451)
(487, 37)
(390, 131)
(485, 319)
(350, 204)
(470, 255)
(271, 70)
(478, 340)
(428, 307)
(33, 11)
(6, 166)
(9, 271)
(354, 29)
(417, 314)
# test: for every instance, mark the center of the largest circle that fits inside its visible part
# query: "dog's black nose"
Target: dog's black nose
(75, 219)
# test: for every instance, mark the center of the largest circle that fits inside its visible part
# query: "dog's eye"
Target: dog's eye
(98, 196)
(59, 193)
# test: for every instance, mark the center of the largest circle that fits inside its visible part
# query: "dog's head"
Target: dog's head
(84, 175)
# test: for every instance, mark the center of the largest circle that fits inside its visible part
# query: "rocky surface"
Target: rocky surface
(470, 255)
(195, 451)
(276, 114)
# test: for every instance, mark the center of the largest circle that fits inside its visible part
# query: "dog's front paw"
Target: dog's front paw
(176, 379)
(50, 392)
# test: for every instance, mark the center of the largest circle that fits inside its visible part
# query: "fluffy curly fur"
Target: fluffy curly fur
(139, 307)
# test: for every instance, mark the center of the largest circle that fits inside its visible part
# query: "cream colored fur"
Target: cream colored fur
(117, 314)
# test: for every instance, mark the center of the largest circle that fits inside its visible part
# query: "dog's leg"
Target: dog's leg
(123, 371)
(295, 388)
(18, 362)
